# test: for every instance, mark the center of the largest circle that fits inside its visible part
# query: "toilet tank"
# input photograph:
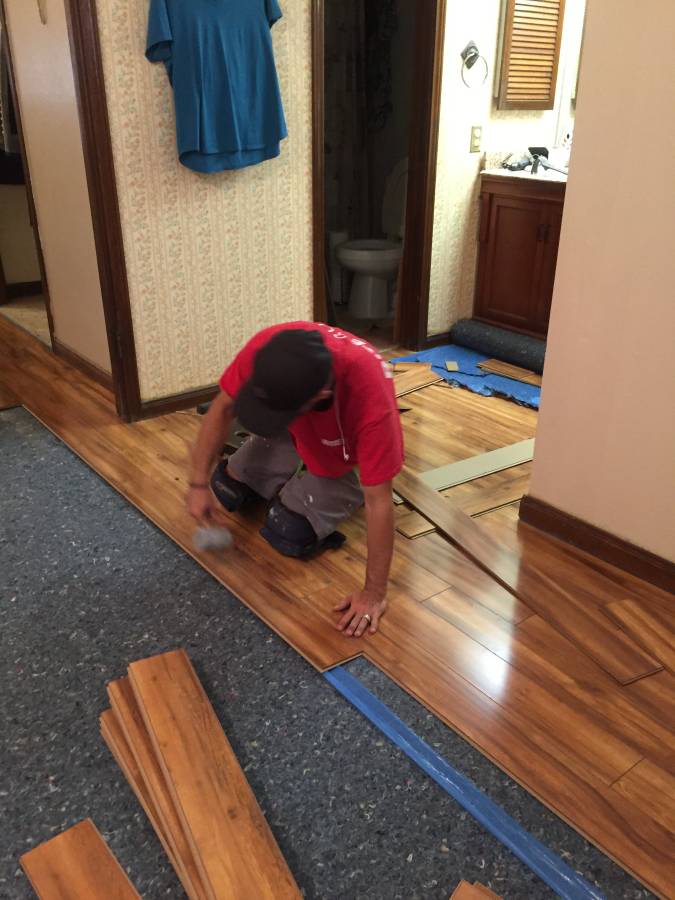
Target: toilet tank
(393, 204)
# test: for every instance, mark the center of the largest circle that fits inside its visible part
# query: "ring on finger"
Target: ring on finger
(367, 617)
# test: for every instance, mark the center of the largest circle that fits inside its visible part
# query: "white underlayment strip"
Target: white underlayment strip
(477, 466)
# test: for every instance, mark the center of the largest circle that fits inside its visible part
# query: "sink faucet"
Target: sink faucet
(542, 161)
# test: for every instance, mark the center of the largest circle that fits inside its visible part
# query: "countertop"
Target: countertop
(542, 175)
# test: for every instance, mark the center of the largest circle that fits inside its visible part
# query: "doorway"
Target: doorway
(368, 72)
(376, 89)
(23, 290)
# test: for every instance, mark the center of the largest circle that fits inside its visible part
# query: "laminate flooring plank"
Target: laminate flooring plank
(414, 379)
(554, 719)
(129, 719)
(476, 503)
(467, 891)
(652, 628)
(229, 836)
(535, 649)
(586, 626)
(517, 373)
(413, 525)
(478, 466)
(77, 865)
(652, 790)
(116, 742)
(458, 572)
(523, 541)
(446, 426)
(8, 399)
(615, 825)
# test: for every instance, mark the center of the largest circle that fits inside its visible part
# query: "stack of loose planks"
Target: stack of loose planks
(168, 742)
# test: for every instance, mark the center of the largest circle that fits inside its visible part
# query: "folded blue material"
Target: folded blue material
(473, 378)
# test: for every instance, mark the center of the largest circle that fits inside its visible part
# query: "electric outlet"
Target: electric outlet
(476, 138)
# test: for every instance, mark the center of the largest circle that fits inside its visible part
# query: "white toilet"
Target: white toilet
(375, 262)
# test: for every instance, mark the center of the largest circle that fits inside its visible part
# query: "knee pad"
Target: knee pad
(231, 493)
(292, 534)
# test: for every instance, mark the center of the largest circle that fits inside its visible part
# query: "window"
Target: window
(530, 54)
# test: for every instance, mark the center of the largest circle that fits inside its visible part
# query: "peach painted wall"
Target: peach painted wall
(606, 437)
(46, 93)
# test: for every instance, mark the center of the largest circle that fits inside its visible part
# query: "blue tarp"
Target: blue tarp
(473, 378)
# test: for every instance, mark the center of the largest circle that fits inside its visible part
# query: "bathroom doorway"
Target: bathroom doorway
(376, 78)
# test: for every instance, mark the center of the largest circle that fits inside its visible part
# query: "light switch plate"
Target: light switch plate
(476, 138)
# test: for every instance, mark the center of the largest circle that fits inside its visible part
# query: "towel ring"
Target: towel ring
(466, 67)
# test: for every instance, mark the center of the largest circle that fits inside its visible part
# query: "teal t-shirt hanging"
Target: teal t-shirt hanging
(219, 58)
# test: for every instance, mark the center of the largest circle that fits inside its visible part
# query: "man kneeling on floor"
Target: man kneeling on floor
(319, 402)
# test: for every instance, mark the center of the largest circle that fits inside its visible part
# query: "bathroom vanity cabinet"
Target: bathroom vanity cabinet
(520, 218)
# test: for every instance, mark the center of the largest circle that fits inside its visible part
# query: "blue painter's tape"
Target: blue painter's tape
(560, 877)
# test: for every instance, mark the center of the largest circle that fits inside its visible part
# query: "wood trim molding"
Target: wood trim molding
(187, 400)
(100, 376)
(320, 310)
(413, 312)
(599, 543)
(100, 168)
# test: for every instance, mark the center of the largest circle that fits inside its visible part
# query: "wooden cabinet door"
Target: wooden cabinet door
(511, 262)
(542, 310)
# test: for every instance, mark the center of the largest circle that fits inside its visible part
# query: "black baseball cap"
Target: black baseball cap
(290, 369)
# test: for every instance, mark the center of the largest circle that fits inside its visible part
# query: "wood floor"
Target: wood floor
(505, 671)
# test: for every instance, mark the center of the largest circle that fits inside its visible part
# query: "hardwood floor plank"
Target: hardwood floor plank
(458, 572)
(128, 719)
(497, 367)
(553, 720)
(475, 503)
(653, 791)
(467, 891)
(446, 426)
(77, 865)
(652, 628)
(414, 379)
(232, 843)
(478, 466)
(551, 661)
(116, 742)
(586, 626)
(414, 525)
(8, 399)
(610, 821)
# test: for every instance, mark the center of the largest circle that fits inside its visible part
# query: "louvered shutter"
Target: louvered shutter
(531, 48)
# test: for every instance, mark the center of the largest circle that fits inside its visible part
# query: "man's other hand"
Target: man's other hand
(203, 506)
(363, 612)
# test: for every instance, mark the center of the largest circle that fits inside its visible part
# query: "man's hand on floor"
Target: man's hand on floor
(363, 612)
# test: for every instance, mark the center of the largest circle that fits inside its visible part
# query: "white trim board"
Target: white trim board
(477, 466)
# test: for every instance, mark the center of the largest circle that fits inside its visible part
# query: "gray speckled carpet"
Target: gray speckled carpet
(87, 585)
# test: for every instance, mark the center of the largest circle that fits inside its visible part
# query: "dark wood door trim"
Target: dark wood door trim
(99, 163)
(413, 307)
(26, 172)
(320, 309)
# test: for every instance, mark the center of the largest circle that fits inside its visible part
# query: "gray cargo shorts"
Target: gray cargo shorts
(271, 466)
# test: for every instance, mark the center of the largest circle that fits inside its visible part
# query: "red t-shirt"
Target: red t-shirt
(362, 428)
